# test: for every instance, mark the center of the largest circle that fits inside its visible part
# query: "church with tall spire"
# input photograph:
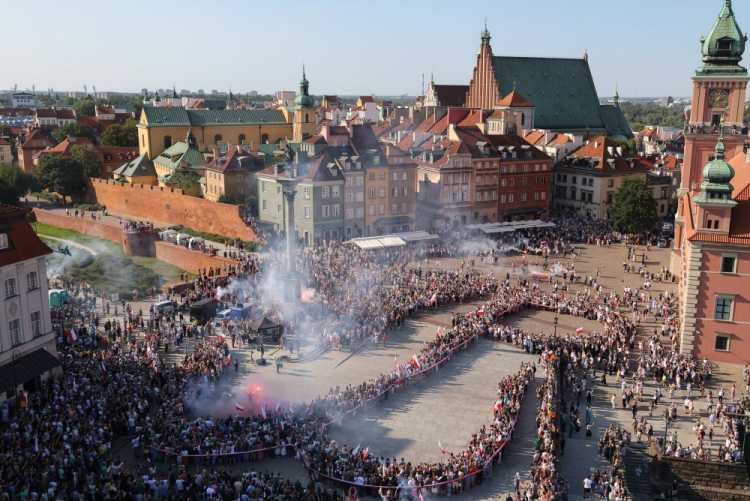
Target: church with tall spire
(711, 247)
(305, 121)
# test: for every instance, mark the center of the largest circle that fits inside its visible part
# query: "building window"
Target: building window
(728, 264)
(335, 191)
(536, 195)
(359, 196)
(326, 192)
(394, 192)
(361, 212)
(394, 175)
(306, 192)
(404, 208)
(724, 307)
(510, 197)
(241, 138)
(265, 204)
(503, 182)
(381, 209)
(591, 182)
(326, 210)
(523, 181)
(263, 186)
(240, 178)
(217, 138)
(721, 342)
(336, 210)
(306, 211)
(372, 192)
(404, 176)
(372, 176)
(360, 180)
(382, 193)
(394, 209)
(523, 197)
(349, 213)
(32, 281)
(371, 210)
(404, 191)
(10, 288)
(36, 324)
(502, 199)
(278, 208)
(14, 329)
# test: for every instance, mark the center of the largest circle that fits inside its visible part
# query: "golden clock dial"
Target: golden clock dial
(718, 99)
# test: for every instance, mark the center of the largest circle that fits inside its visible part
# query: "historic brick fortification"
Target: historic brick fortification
(169, 206)
(710, 480)
(135, 243)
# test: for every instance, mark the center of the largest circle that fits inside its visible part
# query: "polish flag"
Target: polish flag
(579, 330)
(291, 408)
(355, 452)
(238, 407)
(437, 334)
(480, 312)
(71, 333)
(396, 368)
(222, 336)
(278, 407)
(263, 411)
(366, 453)
(415, 362)
(440, 446)
(433, 299)
(498, 405)
(227, 361)
(281, 425)
(148, 351)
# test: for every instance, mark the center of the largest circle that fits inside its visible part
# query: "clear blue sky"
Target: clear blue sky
(649, 48)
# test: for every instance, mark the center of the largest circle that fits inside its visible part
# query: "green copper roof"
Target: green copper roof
(615, 121)
(138, 167)
(304, 101)
(178, 154)
(724, 45)
(180, 117)
(562, 90)
(717, 174)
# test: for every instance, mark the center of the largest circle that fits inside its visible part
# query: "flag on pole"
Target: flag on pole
(366, 453)
(437, 334)
(433, 299)
(222, 336)
(36, 444)
(480, 312)
(355, 452)
(291, 408)
(148, 351)
(263, 411)
(579, 330)
(238, 407)
(24, 400)
(415, 362)
(278, 407)
(227, 361)
(103, 367)
(440, 446)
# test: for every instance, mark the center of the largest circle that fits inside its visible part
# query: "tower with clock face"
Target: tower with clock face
(719, 89)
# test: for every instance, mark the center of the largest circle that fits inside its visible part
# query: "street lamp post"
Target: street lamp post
(15, 357)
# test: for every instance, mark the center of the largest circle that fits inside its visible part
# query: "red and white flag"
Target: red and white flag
(366, 453)
(71, 333)
(103, 367)
(278, 407)
(415, 362)
(148, 351)
(222, 336)
(433, 299)
(440, 446)
(437, 334)
(579, 330)
(480, 312)
(355, 452)
(238, 407)
(263, 411)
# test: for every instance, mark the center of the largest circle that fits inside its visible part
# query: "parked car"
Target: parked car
(165, 307)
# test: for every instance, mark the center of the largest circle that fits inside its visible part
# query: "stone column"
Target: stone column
(291, 234)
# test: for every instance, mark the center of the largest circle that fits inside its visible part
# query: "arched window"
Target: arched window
(241, 139)
(167, 142)
(264, 139)
(217, 138)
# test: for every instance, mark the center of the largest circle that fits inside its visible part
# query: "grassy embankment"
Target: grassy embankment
(111, 271)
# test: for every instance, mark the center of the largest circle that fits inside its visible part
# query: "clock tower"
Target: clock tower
(718, 106)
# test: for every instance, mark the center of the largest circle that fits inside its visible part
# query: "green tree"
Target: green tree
(14, 183)
(7, 132)
(59, 174)
(628, 147)
(634, 207)
(85, 108)
(46, 100)
(88, 157)
(653, 114)
(72, 129)
(121, 135)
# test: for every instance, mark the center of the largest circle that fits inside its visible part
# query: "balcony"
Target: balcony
(730, 129)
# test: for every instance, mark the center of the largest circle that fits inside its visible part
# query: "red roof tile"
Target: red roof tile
(515, 100)
(24, 242)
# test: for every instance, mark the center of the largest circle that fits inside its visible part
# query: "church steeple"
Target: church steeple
(174, 92)
(304, 101)
(616, 98)
(485, 33)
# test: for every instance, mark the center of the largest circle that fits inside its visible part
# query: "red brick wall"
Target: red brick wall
(188, 260)
(81, 225)
(170, 206)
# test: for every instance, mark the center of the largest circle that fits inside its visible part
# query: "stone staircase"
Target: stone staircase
(637, 457)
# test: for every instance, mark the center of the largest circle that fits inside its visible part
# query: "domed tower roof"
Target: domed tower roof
(723, 47)
(717, 176)
(304, 101)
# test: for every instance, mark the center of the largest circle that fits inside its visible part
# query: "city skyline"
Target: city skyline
(440, 42)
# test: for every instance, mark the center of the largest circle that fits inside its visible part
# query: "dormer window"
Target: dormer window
(724, 46)
(3, 241)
